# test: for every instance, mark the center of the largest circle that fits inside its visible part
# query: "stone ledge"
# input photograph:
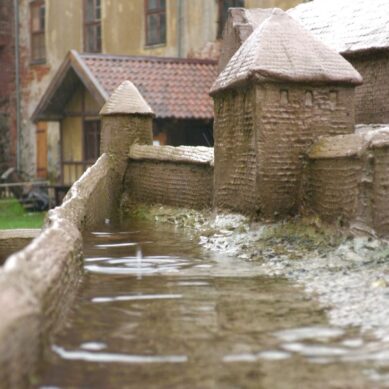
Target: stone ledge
(186, 154)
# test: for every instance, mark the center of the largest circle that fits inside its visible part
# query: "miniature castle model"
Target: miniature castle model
(285, 127)
(280, 91)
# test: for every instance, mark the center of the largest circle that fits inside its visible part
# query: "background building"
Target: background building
(7, 86)
(48, 29)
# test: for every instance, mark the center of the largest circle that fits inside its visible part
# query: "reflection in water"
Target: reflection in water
(117, 358)
(156, 312)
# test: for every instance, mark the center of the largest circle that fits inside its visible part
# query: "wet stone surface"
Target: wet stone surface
(157, 311)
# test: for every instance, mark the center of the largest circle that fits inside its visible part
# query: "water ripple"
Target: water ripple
(117, 358)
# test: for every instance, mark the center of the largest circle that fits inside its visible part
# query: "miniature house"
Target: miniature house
(280, 91)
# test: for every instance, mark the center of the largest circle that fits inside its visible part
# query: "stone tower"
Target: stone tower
(280, 91)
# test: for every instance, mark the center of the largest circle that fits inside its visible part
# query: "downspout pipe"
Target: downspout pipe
(180, 29)
(17, 81)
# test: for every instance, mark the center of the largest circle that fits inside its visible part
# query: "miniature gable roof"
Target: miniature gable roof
(347, 26)
(173, 87)
(126, 99)
(281, 50)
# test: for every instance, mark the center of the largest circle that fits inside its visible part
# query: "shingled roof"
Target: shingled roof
(347, 26)
(280, 49)
(173, 87)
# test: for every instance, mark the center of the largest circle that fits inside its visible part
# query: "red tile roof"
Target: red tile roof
(173, 87)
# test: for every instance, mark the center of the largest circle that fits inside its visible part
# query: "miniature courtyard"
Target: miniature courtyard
(259, 262)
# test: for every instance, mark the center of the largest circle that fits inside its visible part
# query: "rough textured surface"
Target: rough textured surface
(358, 29)
(38, 283)
(381, 190)
(15, 240)
(92, 198)
(241, 22)
(171, 183)
(261, 149)
(281, 49)
(196, 155)
(119, 132)
(348, 178)
(285, 131)
(235, 152)
(348, 25)
(126, 100)
(372, 96)
(339, 146)
(334, 187)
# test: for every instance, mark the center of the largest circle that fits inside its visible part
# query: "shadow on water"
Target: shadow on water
(156, 311)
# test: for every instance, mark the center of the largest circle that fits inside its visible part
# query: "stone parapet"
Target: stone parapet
(37, 284)
(179, 176)
(190, 154)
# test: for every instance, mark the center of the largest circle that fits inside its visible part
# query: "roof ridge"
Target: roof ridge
(146, 58)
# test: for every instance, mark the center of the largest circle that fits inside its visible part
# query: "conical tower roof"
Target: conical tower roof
(280, 49)
(126, 99)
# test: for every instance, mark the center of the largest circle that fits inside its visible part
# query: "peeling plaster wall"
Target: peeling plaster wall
(35, 78)
(7, 86)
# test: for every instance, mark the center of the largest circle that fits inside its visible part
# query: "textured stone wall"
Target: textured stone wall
(171, 183)
(381, 191)
(334, 188)
(37, 284)
(261, 136)
(371, 98)
(235, 153)
(289, 118)
(120, 131)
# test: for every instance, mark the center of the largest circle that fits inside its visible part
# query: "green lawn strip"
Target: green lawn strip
(13, 215)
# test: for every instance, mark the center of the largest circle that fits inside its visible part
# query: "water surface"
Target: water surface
(154, 311)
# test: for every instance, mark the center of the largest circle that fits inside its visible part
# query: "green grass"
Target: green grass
(13, 215)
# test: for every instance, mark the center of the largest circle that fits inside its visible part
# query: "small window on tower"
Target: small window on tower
(284, 96)
(308, 98)
(333, 99)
